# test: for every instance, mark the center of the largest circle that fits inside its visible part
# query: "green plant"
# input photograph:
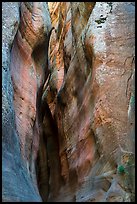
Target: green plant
(121, 169)
(132, 99)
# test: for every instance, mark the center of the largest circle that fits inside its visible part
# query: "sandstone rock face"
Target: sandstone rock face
(16, 182)
(29, 70)
(26, 70)
(74, 109)
(92, 104)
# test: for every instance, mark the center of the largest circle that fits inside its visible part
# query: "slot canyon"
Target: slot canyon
(68, 101)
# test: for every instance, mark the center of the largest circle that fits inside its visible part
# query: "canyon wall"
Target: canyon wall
(73, 74)
(17, 185)
(96, 47)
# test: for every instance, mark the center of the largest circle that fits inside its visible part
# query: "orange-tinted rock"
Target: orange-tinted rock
(92, 103)
(75, 117)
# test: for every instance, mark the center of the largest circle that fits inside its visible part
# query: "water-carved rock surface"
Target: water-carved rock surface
(74, 100)
(92, 105)
(17, 185)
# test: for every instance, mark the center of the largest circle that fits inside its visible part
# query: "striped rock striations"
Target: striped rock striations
(73, 71)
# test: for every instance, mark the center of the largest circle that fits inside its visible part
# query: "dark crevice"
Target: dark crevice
(42, 170)
(47, 162)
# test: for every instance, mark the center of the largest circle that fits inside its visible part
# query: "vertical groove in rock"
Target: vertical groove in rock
(91, 107)
(72, 69)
